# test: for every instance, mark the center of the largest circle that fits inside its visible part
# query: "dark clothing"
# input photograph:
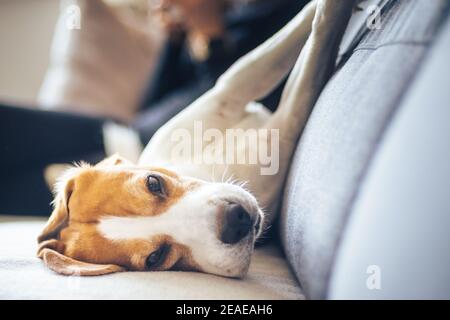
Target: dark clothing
(31, 139)
(179, 80)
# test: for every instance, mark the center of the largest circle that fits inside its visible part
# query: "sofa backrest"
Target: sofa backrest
(343, 134)
(396, 240)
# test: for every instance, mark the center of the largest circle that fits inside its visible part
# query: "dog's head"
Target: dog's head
(117, 216)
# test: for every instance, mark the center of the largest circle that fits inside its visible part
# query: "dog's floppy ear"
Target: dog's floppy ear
(114, 160)
(71, 267)
(60, 214)
(51, 249)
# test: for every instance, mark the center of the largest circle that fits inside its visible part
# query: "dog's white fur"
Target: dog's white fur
(192, 221)
(308, 44)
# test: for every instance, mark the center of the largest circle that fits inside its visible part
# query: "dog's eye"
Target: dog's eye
(155, 185)
(157, 257)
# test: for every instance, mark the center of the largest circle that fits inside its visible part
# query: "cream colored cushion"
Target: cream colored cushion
(23, 276)
(102, 67)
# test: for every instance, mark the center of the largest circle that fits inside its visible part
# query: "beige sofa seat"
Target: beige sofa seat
(24, 276)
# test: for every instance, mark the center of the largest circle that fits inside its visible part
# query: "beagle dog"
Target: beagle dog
(168, 212)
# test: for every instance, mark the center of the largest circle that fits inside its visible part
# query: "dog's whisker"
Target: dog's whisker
(230, 180)
(243, 184)
(213, 173)
(224, 173)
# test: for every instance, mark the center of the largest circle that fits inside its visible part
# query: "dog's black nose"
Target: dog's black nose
(236, 224)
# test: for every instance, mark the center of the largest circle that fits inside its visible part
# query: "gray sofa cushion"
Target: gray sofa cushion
(342, 135)
(400, 220)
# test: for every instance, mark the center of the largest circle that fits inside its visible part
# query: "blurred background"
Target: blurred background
(26, 28)
(136, 63)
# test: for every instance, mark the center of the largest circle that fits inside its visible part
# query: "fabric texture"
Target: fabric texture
(24, 276)
(342, 135)
(400, 219)
(101, 67)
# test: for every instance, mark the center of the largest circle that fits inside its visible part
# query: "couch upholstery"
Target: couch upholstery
(343, 134)
(401, 218)
(24, 276)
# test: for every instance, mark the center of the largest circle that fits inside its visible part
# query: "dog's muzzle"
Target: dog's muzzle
(237, 223)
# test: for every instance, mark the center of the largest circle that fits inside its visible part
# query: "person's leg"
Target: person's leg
(32, 136)
(31, 139)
